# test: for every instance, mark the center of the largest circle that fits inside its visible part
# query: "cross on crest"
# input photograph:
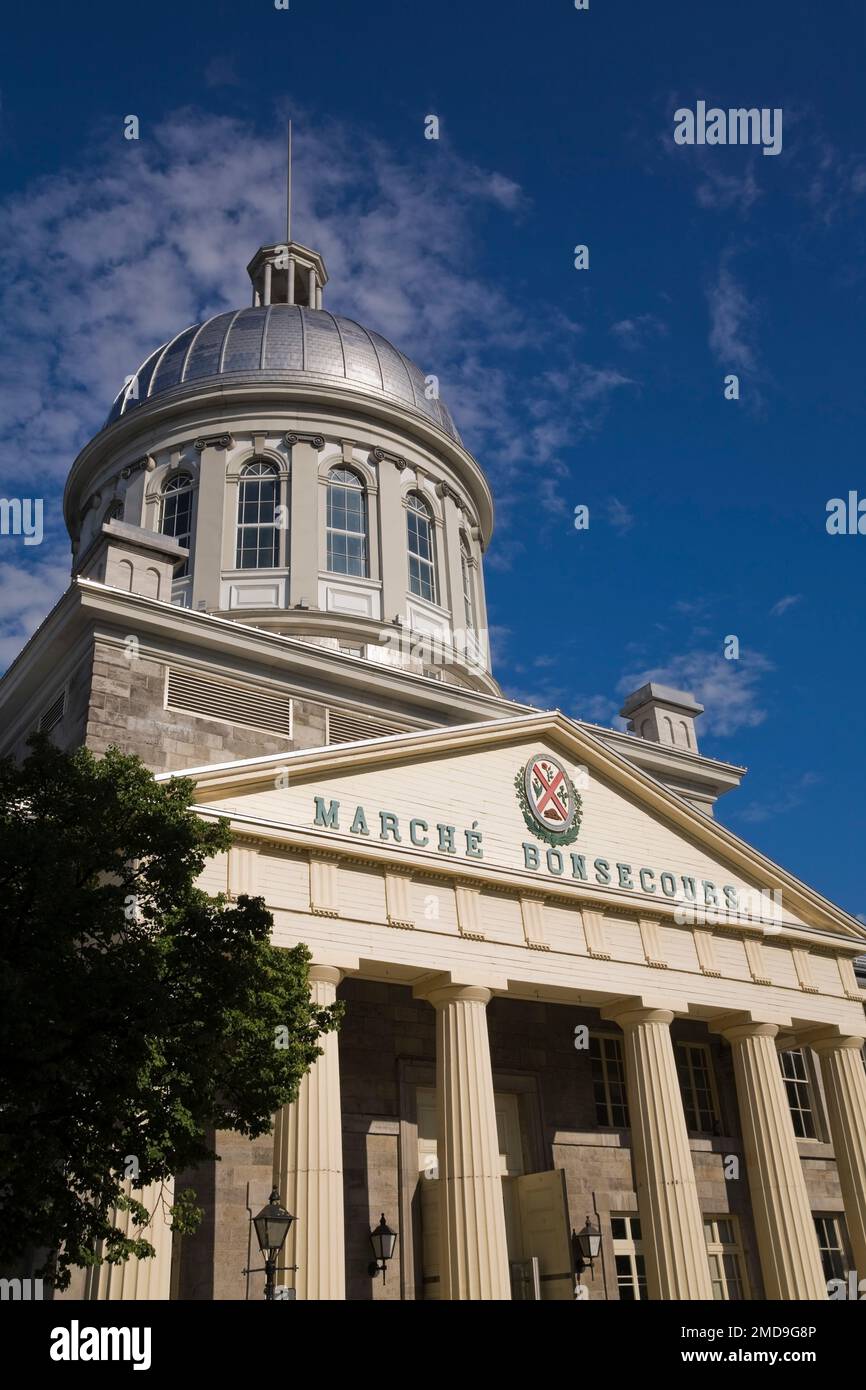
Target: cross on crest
(551, 806)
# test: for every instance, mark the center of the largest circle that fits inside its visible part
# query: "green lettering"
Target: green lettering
(331, 817)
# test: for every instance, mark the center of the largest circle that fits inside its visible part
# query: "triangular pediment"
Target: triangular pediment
(459, 797)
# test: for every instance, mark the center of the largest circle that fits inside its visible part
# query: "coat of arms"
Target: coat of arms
(551, 807)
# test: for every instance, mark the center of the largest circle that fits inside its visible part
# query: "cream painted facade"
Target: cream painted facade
(651, 1025)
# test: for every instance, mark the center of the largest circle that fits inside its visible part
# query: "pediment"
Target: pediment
(457, 798)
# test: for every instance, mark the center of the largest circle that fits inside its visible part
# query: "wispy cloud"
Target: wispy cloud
(787, 800)
(726, 191)
(28, 590)
(143, 238)
(619, 515)
(728, 690)
(636, 332)
(732, 317)
(783, 604)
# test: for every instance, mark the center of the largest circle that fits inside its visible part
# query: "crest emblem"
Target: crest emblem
(551, 807)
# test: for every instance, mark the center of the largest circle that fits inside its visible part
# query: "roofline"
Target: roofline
(89, 593)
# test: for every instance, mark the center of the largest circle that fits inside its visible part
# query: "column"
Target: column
(787, 1243)
(675, 1249)
(308, 1165)
(474, 1255)
(845, 1091)
(136, 1279)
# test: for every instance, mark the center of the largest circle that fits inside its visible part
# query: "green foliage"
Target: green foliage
(136, 1012)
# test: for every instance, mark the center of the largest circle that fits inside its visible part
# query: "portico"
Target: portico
(486, 1149)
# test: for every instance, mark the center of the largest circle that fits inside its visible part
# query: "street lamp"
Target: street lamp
(589, 1245)
(383, 1241)
(271, 1226)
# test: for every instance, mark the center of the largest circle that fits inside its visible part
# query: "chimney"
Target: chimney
(663, 715)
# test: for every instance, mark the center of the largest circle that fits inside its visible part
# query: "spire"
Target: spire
(288, 273)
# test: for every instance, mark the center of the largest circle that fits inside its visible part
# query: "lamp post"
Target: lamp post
(588, 1244)
(271, 1227)
(383, 1241)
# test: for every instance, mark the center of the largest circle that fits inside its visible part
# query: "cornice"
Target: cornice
(496, 878)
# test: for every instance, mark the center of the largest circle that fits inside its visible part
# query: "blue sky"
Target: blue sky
(601, 387)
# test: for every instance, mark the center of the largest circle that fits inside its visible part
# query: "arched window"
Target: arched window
(422, 555)
(258, 545)
(468, 585)
(347, 523)
(176, 515)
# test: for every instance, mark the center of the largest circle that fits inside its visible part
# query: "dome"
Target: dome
(283, 343)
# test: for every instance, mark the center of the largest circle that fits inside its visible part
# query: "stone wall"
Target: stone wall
(127, 709)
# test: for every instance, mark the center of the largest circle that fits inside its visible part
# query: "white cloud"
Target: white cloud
(27, 592)
(720, 190)
(783, 604)
(619, 515)
(731, 316)
(787, 799)
(636, 332)
(728, 690)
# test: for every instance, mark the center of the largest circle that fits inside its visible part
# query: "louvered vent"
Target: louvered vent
(53, 715)
(350, 728)
(233, 701)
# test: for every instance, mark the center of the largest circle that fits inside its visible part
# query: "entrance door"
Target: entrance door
(545, 1233)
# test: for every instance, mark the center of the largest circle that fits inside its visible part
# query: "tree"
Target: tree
(137, 1013)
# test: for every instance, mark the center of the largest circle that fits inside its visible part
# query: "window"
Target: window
(725, 1255)
(608, 1080)
(176, 518)
(698, 1088)
(799, 1090)
(422, 558)
(258, 533)
(468, 587)
(347, 523)
(832, 1246)
(628, 1258)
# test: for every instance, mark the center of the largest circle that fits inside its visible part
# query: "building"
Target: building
(570, 992)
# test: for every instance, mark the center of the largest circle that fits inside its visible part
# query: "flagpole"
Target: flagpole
(289, 189)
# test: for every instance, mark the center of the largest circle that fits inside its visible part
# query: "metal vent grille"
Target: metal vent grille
(351, 728)
(233, 701)
(53, 715)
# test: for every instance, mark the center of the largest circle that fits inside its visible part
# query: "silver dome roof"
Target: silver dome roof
(283, 342)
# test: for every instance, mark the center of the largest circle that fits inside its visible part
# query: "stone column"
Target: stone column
(845, 1091)
(139, 1280)
(787, 1243)
(308, 1165)
(474, 1255)
(675, 1249)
